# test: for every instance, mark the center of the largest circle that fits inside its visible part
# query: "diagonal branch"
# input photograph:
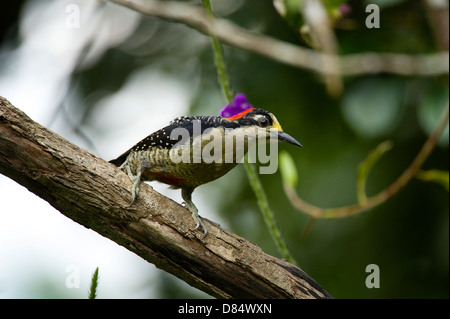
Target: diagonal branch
(290, 54)
(96, 194)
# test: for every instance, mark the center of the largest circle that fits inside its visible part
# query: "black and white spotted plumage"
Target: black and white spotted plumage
(161, 138)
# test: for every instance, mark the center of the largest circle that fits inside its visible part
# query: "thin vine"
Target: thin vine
(249, 168)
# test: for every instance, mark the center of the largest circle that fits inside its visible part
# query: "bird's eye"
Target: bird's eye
(263, 122)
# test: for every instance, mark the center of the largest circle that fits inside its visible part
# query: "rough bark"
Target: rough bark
(96, 194)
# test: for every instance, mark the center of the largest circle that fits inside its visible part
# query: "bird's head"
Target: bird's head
(264, 124)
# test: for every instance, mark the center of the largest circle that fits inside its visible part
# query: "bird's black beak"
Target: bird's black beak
(287, 138)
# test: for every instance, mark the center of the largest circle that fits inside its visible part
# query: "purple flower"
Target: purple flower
(239, 105)
(345, 10)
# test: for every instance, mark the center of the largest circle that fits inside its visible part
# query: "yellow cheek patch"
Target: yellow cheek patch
(276, 125)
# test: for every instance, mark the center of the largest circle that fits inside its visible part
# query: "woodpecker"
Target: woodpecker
(175, 155)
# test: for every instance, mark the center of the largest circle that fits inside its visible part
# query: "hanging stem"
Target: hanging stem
(219, 62)
(269, 218)
(249, 168)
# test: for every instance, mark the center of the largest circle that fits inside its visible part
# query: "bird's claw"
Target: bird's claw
(197, 226)
(191, 207)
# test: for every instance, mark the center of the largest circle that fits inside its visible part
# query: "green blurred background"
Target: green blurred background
(407, 237)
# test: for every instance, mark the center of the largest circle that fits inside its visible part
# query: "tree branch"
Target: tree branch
(96, 194)
(290, 54)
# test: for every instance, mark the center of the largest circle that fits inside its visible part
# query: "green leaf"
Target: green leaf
(291, 11)
(94, 285)
(434, 175)
(288, 169)
(373, 106)
(365, 167)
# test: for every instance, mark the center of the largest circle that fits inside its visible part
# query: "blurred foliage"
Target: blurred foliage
(408, 236)
(375, 116)
(292, 13)
(435, 175)
(288, 170)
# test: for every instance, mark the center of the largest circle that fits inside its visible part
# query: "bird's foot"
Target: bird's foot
(200, 223)
(191, 207)
(136, 182)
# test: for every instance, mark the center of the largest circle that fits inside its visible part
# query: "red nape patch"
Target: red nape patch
(239, 115)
